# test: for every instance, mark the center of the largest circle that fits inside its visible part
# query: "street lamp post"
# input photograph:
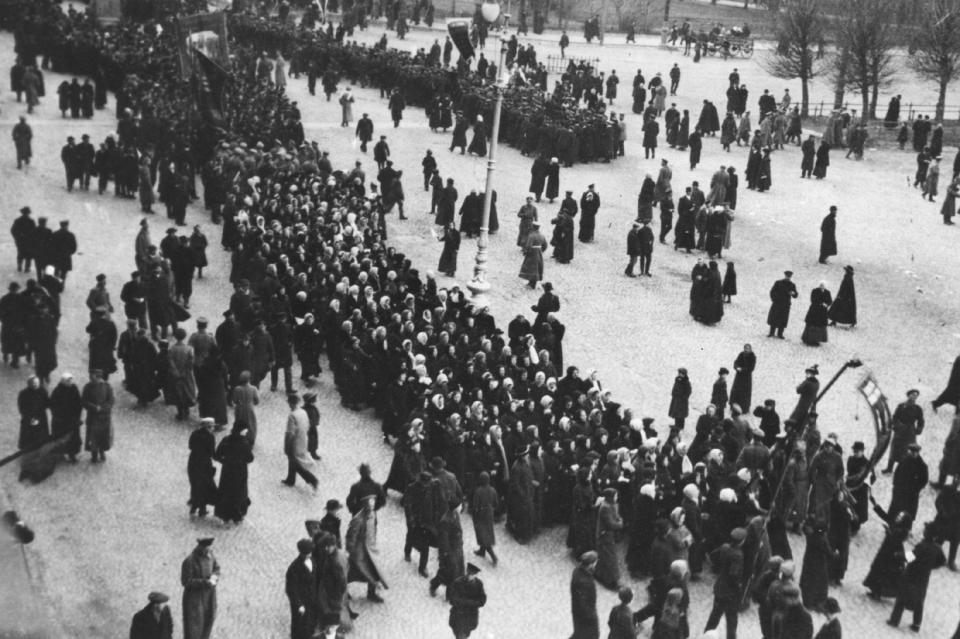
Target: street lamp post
(479, 286)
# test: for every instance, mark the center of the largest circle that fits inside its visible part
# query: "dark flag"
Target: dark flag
(460, 35)
(881, 422)
(211, 82)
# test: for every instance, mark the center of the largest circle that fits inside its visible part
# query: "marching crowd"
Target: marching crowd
(481, 419)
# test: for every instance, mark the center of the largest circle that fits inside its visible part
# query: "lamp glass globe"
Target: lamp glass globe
(490, 11)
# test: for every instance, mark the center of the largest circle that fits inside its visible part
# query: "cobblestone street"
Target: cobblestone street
(108, 534)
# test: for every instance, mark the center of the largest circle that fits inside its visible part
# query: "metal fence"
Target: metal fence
(556, 64)
(908, 111)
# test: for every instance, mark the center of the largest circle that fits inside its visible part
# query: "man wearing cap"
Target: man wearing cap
(97, 397)
(71, 162)
(200, 468)
(301, 583)
(727, 561)
(589, 206)
(199, 575)
(330, 523)
(63, 245)
(22, 230)
(99, 296)
(719, 396)
(466, 596)
(381, 153)
(807, 391)
(680, 398)
(364, 131)
(154, 621)
(907, 425)
(532, 267)
(910, 477)
(583, 598)
(633, 248)
(927, 556)
(202, 343)
(782, 294)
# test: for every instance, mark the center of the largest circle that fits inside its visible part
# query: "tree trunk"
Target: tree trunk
(873, 102)
(941, 98)
(865, 95)
(804, 97)
(840, 86)
(666, 10)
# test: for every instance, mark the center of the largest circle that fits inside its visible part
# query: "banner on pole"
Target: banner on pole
(207, 33)
(880, 410)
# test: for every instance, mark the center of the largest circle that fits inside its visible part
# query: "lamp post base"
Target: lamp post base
(479, 292)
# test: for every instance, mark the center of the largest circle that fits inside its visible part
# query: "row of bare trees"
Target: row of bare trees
(866, 34)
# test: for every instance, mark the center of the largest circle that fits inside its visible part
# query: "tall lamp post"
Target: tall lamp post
(479, 286)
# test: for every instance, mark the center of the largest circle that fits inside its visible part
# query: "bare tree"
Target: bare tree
(799, 26)
(869, 31)
(935, 48)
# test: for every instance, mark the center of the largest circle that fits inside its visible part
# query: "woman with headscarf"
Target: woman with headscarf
(609, 525)
(843, 310)
(672, 623)
(815, 331)
(66, 409)
(642, 530)
(234, 454)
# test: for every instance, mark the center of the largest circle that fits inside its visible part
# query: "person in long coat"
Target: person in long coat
(781, 296)
(211, 378)
(582, 530)
(589, 205)
(553, 179)
(32, 404)
(451, 247)
(199, 575)
(828, 235)
(22, 137)
(563, 237)
(809, 151)
(886, 571)
(815, 575)
(844, 307)
(680, 398)
(527, 215)
(244, 398)
(741, 392)
(447, 206)
(331, 570)
(301, 591)
(98, 400)
(520, 496)
(712, 293)
(807, 394)
(695, 143)
(933, 180)
(609, 525)
(538, 176)
(532, 267)
(927, 557)
(296, 444)
(234, 454)
(362, 566)
(66, 411)
(823, 160)
(200, 468)
(182, 374)
(466, 596)
(815, 331)
(142, 381)
(483, 507)
(583, 599)
(478, 144)
(103, 341)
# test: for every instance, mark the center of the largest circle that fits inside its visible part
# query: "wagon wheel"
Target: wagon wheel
(734, 48)
(748, 50)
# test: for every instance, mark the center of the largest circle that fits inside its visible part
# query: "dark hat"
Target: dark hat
(64, 222)
(228, 313)
(647, 421)
(547, 286)
(472, 569)
(738, 534)
(589, 557)
(305, 546)
(26, 210)
(101, 277)
(815, 369)
(610, 492)
(831, 606)
(205, 541)
(437, 463)
(334, 504)
(848, 268)
(203, 320)
(788, 273)
(590, 186)
(171, 230)
(858, 445)
(914, 446)
(724, 371)
(156, 597)
(912, 391)
(569, 192)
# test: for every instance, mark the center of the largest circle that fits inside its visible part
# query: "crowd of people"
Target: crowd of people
(482, 419)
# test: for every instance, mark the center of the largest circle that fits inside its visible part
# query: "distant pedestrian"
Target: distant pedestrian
(234, 455)
(200, 468)
(295, 445)
(98, 401)
(301, 584)
(828, 235)
(466, 596)
(583, 598)
(782, 294)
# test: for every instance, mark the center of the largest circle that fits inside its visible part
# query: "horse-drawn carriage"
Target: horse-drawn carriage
(728, 45)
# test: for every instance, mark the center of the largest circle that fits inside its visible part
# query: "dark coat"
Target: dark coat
(200, 469)
(828, 236)
(844, 307)
(234, 455)
(781, 294)
(927, 556)
(680, 397)
(741, 392)
(583, 605)
(301, 591)
(466, 596)
(146, 626)
(483, 506)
